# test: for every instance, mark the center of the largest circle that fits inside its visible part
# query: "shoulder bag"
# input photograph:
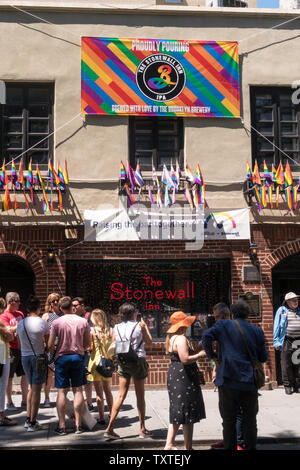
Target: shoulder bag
(106, 366)
(124, 350)
(41, 362)
(258, 371)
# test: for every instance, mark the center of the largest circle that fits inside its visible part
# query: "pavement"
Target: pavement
(278, 424)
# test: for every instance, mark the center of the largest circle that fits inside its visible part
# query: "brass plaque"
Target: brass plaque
(254, 303)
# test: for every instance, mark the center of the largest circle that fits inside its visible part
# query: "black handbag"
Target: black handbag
(258, 371)
(106, 366)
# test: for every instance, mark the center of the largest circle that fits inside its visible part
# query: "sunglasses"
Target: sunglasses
(17, 301)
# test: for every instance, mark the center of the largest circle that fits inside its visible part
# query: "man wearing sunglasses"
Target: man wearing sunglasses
(11, 317)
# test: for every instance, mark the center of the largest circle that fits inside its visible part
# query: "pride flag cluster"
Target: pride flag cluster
(162, 193)
(276, 181)
(57, 180)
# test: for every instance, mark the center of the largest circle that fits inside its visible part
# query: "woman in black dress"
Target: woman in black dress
(186, 401)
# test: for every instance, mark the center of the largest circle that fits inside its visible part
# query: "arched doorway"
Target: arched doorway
(16, 275)
(285, 278)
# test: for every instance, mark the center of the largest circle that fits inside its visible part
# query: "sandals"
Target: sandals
(111, 435)
(7, 422)
(145, 433)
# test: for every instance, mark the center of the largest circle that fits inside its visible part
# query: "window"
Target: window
(158, 288)
(155, 141)
(277, 118)
(26, 119)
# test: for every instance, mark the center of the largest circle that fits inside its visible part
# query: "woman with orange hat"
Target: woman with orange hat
(186, 401)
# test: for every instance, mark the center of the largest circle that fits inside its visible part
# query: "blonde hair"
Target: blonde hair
(98, 318)
(50, 298)
(180, 331)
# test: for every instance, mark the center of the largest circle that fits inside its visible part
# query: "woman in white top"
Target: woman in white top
(139, 334)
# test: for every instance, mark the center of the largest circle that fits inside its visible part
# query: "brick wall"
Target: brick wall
(274, 244)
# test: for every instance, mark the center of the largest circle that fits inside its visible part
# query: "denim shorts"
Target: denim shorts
(29, 365)
(70, 371)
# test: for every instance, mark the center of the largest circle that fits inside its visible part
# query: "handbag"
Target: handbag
(41, 362)
(258, 371)
(106, 366)
(124, 350)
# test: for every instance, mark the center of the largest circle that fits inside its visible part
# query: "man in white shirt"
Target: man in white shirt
(33, 333)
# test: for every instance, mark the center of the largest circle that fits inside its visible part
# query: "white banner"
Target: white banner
(174, 223)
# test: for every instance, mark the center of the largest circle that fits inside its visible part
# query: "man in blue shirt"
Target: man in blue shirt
(286, 337)
(234, 378)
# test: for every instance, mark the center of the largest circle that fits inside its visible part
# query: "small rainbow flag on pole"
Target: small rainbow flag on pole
(6, 203)
(123, 174)
(45, 200)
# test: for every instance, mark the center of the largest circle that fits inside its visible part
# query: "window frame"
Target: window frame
(26, 118)
(276, 92)
(155, 137)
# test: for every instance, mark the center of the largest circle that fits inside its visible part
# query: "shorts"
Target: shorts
(15, 363)
(34, 377)
(70, 371)
(138, 370)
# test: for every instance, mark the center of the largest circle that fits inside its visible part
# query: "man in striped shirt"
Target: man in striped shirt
(286, 334)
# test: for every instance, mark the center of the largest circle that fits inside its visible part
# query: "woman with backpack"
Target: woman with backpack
(130, 336)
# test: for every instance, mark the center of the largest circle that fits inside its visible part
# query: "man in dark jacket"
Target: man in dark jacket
(234, 378)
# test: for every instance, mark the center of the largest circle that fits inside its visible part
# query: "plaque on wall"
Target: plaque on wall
(254, 303)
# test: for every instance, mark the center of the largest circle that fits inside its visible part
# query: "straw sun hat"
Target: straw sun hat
(179, 320)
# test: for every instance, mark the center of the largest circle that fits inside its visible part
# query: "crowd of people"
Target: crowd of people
(63, 348)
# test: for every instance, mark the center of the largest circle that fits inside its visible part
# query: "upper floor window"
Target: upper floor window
(155, 141)
(277, 118)
(26, 119)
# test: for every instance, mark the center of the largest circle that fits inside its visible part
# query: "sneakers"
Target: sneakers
(60, 431)
(90, 407)
(11, 407)
(79, 430)
(7, 421)
(27, 422)
(47, 403)
(288, 390)
(111, 435)
(34, 427)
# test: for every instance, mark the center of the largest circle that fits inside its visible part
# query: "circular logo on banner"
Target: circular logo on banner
(160, 77)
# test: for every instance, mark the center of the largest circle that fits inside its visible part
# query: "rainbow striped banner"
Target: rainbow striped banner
(158, 77)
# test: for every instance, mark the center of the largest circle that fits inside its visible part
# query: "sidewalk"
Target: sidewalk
(278, 420)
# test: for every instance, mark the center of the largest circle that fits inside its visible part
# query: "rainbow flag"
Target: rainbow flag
(41, 183)
(123, 174)
(189, 175)
(289, 200)
(65, 173)
(279, 177)
(21, 175)
(6, 203)
(288, 177)
(256, 174)
(198, 177)
(60, 178)
(30, 182)
(268, 183)
(195, 197)
(295, 196)
(14, 176)
(3, 176)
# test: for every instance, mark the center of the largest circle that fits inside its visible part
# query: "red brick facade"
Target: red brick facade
(275, 243)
